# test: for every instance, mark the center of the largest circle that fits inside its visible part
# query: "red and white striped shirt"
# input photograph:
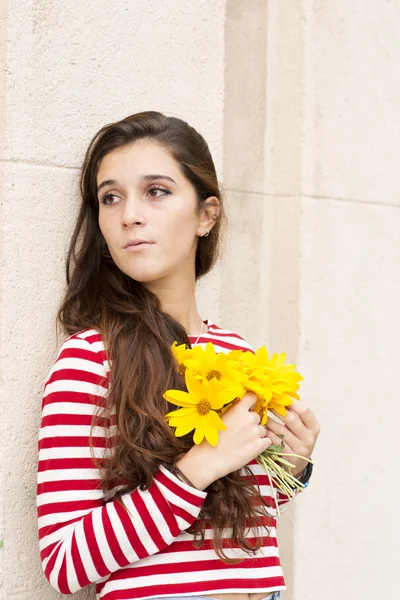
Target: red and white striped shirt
(87, 538)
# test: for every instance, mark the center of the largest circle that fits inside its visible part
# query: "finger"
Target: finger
(279, 429)
(305, 414)
(262, 431)
(277, 441)
(265, 443)
(256, 417)
(248, 401)
(279, 418)
(292, 422)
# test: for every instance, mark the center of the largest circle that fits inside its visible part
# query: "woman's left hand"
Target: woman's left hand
(300, 430)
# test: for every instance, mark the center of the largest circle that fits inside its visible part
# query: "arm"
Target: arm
(82, 537)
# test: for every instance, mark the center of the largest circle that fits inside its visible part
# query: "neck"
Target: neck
(178, 299)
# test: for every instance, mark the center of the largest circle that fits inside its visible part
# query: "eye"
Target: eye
(158, 189)
(104, 199)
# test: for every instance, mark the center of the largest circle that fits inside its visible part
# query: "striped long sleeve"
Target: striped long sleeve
(83, 536)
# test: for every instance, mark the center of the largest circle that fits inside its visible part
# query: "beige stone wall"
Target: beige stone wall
(69, 68)
(350, 295)
(299, 102)
(312, 140)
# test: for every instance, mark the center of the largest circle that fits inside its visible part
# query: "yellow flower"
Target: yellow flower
(199, 406)
(217, 379)
(218, 367)
(180, 353)
(255, 376)
(280, 382)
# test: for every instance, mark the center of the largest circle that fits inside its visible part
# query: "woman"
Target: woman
(122, 502)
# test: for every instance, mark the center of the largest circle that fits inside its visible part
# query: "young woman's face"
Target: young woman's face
(148, 199)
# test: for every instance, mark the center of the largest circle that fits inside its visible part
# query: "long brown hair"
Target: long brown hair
(138, 335)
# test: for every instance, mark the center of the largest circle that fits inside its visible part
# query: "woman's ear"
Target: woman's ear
(209, 214)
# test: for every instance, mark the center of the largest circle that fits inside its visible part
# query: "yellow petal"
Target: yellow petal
(182, 413)
(194, 385)
(262, 355)
(210, 351)
(179, 398)
(198, 434)
(211, 435)
(197, 352)
(211, 424)
(217, 395)
(214, 420)
(279, 409)
(184, 428)
(234, 385)
(179, 351)
(192, 364)
(255, 387)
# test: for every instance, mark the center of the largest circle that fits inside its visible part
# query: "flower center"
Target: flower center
(212, 374)
(182, 369)
(204, 407)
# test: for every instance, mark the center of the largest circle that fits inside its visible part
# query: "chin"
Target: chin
(143, 276)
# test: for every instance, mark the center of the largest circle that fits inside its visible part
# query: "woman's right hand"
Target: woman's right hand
(242, 441)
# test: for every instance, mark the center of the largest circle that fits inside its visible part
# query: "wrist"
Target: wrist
(305, 475)
(195, 468)
(299, 469)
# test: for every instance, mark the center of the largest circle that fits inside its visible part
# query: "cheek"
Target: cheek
(106, 229)
(101, 223)
(182, 225)
(181, 237)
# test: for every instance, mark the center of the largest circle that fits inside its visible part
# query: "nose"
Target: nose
(133, 213)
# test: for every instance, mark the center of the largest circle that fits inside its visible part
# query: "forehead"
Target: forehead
(138, 159)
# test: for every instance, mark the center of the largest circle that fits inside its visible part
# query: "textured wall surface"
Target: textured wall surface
(298, 100)
(338, 107)
(348, 530)
(69, 68)
(312, 140)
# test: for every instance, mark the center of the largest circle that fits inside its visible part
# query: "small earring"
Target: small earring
(215, 217)
(205, 234)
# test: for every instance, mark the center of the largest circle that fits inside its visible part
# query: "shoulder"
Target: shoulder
(77, 380)
(226, 339)
(83, 350)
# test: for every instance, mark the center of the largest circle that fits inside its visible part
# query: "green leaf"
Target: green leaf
(274, 448)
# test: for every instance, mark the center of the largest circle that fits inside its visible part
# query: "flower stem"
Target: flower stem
(285, 481)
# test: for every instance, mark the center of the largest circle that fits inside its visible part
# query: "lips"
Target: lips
(137, 246)
(136, 243)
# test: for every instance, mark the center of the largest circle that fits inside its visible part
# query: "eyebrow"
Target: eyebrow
(150, 177)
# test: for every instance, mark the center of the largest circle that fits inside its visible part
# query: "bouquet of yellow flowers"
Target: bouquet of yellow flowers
(216, 380)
